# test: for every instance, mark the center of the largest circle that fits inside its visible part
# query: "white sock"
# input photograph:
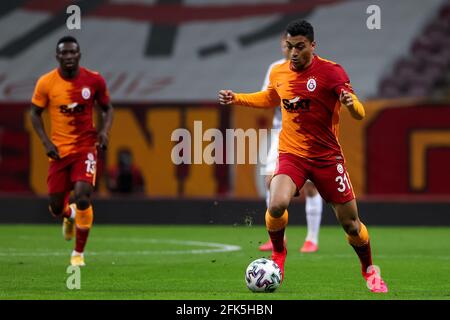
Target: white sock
(267, 198)
(313, 208)
(76, 253)
(73, 212)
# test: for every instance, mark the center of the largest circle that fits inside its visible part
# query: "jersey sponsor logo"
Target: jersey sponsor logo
(296, 104)
(340, 168)
(311, 84)
(72, 108)
(72, 105)
(86, 93)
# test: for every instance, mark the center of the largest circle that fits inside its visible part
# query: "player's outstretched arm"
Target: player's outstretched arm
(262, 99)
(38, 125)
(103, 134)
(353, 105)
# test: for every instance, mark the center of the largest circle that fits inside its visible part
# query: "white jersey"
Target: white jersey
(272, 156)
(276, 123)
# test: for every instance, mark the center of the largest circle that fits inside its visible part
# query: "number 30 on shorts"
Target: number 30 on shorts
(343, 181)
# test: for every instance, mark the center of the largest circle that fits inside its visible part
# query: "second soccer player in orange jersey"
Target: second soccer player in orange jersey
(69, 93)
(311, 91)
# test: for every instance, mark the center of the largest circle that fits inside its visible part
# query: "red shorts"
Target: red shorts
(63, 173)
(330, 177)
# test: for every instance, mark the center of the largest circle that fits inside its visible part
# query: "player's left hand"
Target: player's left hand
(346, 99)
(103, 140)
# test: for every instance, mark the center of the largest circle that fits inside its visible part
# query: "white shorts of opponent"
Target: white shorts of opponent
(272, 156)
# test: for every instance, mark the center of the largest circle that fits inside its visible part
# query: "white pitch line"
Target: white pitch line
(213, 248)
(381, 256)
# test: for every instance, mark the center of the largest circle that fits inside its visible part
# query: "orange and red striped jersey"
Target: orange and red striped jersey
(310, 106)
(70, 104)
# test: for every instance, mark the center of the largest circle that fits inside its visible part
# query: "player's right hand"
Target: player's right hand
(226, 97)
(52, 151)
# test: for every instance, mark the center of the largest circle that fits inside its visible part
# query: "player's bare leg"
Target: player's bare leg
(282, 189)
(83, 220)
(313, 208)
(59, 207)
(358, 238)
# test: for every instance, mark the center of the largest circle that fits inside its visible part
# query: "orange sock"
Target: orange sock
(361, 245)
(83, 222)
(361, 239)
(84, 218)
(276, 227)
(276, 224)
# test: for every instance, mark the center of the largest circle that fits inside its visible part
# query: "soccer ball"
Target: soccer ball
(263, 275)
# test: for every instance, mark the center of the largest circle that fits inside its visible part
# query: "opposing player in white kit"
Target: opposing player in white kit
(313, 200)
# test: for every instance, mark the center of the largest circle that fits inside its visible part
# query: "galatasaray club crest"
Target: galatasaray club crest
(311, 84)
(86, 93)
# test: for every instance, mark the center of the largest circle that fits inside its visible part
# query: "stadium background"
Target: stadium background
(164, 62)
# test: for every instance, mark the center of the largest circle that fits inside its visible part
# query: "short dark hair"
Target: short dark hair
(66, 39)
(301, 28)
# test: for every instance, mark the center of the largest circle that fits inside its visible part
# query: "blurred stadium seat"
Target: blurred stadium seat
(424, 70)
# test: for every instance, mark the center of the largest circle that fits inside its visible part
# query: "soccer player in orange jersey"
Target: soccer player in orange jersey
(69, 93)
(311, 91)
(313, 200)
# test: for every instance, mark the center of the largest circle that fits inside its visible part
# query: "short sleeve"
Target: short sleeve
(102, 94)
(40, 95)
(339, 80)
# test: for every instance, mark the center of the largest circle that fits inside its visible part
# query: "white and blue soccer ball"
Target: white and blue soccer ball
(263, 275)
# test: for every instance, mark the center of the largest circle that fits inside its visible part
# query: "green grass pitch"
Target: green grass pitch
(208, 263)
